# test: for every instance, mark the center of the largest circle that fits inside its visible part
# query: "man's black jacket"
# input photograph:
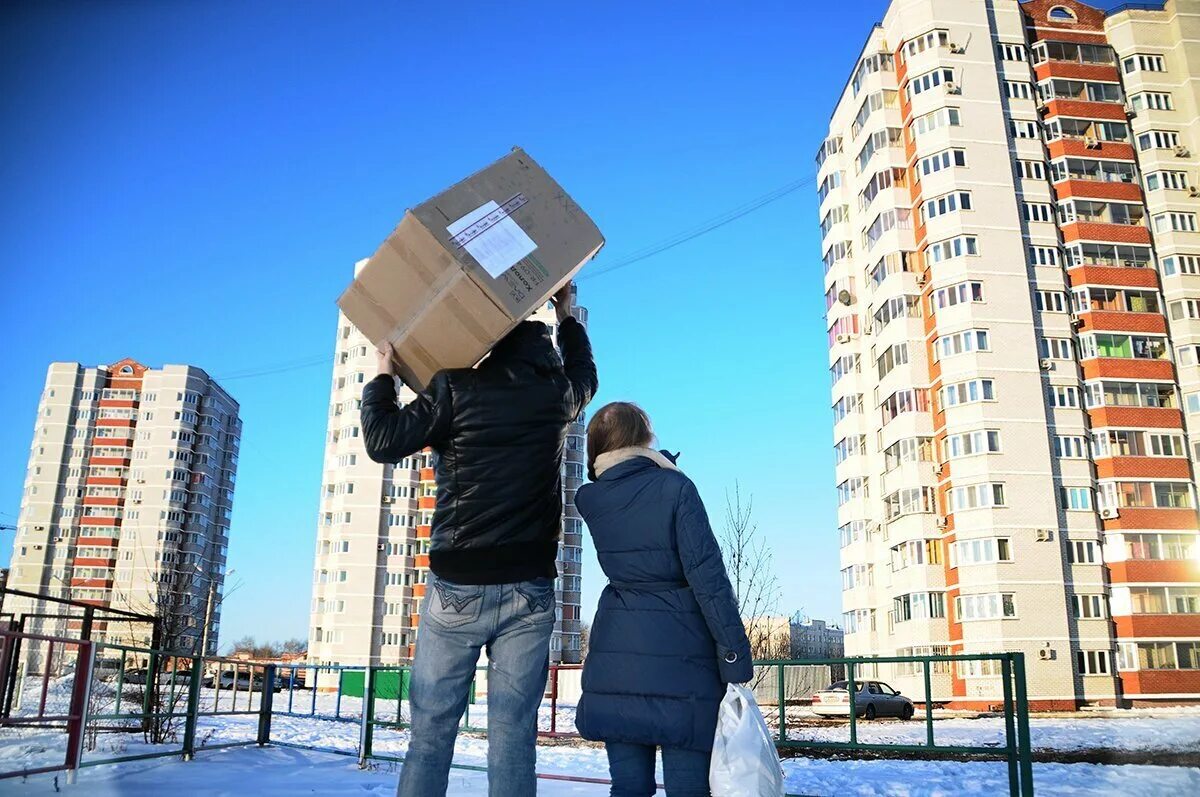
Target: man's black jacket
(498, 430)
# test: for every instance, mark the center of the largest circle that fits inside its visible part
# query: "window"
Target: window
(1089, 130)
(1007, 51)
(842, 366)
(966, 444)
(851, 489)
(1119, 345)
(1181, 264)
(1043, 255)
(947, 203)
(942, 160)
(1052, 302)
(830, 146)
(1023, 128)
(911, 500)
(988, 606)
(846, 405)
(874, 102)
(877, 62)
(1017, 90)
(1152, 100)
(1114, 255)
(1055, 348)
(1093, 170)
(927, 81)
(1144, 63)
(897, 307)
(1083, 552)
(894, 356)
(849, 447)
(960, 343)
(1061, 14)
(1070, 51)
(975, 496)
(951, 248)
(1167, 181)
(926, 41)
(918, 606)
(1182, 547)
(886, 221)
(852, 532)
(879, 140)
(969, 392)
(1076, 498)
(1092, 662)
(916, 552)
(1177, 222)
(904, 401)
(1037, 211)
(986, 550)
(1064, 396)
(1070, 446)
(1032, 170)
(942, 117)
(1158, 139)
(959, 293)
(908, 449)
(1144, 494)
(1184, 308)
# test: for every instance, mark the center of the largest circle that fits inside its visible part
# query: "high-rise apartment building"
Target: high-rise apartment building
(374, 524)
(1013, 466)
(129, 491)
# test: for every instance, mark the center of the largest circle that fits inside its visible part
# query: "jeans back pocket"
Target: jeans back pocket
(453, 605)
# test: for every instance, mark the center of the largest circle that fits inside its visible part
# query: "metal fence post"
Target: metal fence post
(853, 703)
(1010, 731)
(80, 691)
(928, 703)
(193, 709)
(782, 704)
(368, 717)
(1023, 745)
(266, 704)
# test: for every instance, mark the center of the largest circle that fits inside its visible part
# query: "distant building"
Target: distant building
(129, 488)
(816, 639)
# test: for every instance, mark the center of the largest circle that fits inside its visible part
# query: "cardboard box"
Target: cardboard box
(464, 268)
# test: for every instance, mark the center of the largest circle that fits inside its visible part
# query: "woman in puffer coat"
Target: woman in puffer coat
(667, 636)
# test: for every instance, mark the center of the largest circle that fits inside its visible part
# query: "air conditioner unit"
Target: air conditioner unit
(844, 338)
(939, 468)
(37, 547)
(383, 546)
(942, 521)
(1044, 535)
(1046, 365)
(1130, 112)
(39, 528)
(1109, 514)
(1182, 152)
(387, 499)
(952, 87)
(921, 280)
(868, 329)
(1045, 654)
(1091, 142)
(1193, 190)
(956, 48)
(1076, 320)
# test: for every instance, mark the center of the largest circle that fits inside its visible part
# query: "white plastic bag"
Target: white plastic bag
(744, 761)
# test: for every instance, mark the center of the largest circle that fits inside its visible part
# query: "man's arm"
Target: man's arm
(391, 432)
(576, 352)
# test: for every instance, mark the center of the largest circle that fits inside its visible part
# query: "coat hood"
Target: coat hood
(528, 343)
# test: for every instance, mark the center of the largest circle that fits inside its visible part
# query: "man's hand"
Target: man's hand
(563, 301)
(386, 358)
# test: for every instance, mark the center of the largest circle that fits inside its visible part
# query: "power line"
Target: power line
(714, 223)
(703, 229)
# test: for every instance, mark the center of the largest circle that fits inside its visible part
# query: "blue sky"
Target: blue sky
(192, 182)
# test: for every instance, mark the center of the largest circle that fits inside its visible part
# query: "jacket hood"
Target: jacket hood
(528, 343)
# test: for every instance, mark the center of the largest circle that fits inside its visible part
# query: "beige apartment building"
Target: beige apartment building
(1013, 466)
(373, 531)
(129, 489)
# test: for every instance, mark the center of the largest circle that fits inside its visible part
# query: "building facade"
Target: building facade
(816, 639)
(1009, 425)
(129, 491)
(373, 531)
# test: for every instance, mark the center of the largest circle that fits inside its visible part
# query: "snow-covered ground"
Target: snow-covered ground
(279, 770)
(275, 772)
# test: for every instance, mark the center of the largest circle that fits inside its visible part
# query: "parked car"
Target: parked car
(874, 699)
(242, 679)
(138, 676)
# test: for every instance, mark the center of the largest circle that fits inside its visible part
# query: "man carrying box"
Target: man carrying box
(498, 432)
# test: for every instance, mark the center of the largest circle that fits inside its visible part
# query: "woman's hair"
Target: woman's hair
(617, 425)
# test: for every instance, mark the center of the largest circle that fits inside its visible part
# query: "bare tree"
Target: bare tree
(585, 636)
(751, 569)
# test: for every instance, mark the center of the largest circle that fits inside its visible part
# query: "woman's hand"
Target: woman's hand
(562, 302)
(386, 358)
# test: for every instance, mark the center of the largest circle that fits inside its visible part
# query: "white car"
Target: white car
(874, 699)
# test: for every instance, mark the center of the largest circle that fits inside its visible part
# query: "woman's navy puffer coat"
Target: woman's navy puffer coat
(667, 636)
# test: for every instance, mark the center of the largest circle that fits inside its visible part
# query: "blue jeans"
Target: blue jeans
(631, 767)
(513, 623)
